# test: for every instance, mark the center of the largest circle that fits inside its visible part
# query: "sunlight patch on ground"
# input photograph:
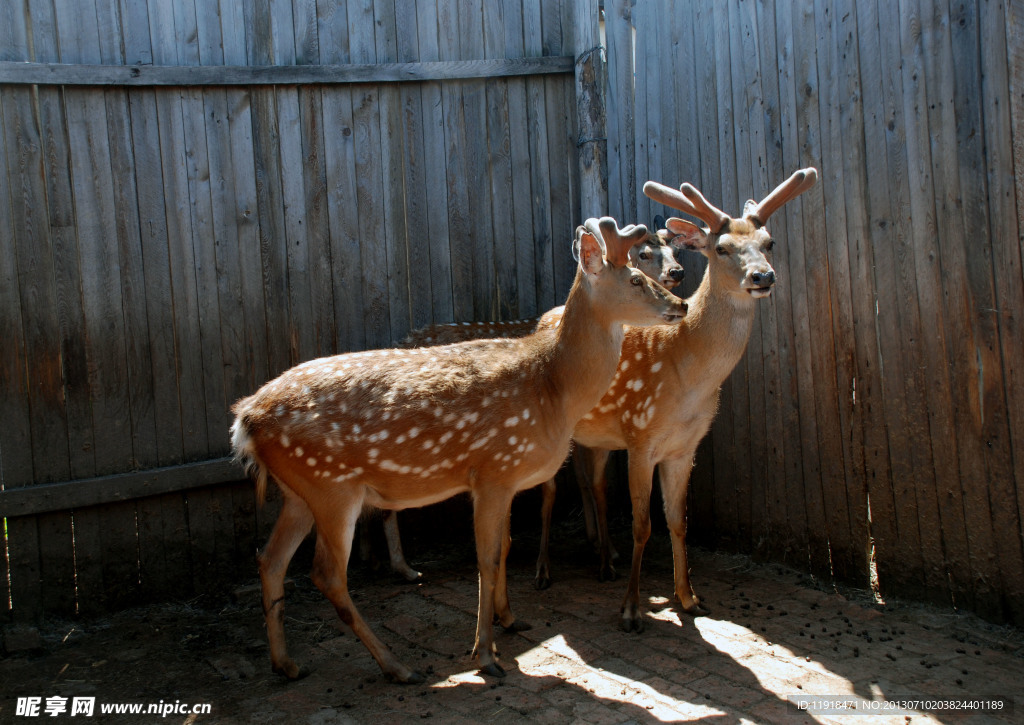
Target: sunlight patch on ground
(555, 657)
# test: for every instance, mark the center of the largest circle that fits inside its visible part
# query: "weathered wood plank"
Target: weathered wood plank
(905, 527)
(66, 74)
(958, 285)
(434, 168)
(990, 435)
(1003, 74)
(934, 366)
(498, 132)
(397, 234)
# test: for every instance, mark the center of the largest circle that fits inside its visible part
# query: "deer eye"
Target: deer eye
(645, 255)
(636, 279)
(722, 251)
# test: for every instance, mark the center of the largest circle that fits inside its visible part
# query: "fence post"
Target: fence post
(592, 142)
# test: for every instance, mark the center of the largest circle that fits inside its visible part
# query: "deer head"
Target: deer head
(737, 249)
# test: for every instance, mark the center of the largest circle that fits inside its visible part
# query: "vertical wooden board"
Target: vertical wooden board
(751, 168)
(500, 187)
(776, 328)
(868, 459)
(519, 236)
(962, 335)
(647, 106)
(397, 237)
(993, 434)
(418, 236)
(815, 318)
(21, 542)
(455, 140)
(725, 440)
(905, 530)
(342, 210)
(291, 185)
(369, 194)
(366, 116)
(935, 368)
(36, 379)
(790, 535)
(24, 556)
(999, 75)
(478, 208)
(841, 366)
(434, 170)
(622, 184)
(266, 164)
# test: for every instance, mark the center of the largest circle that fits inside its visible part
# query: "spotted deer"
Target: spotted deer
(664, 394)
(654, 255)
(393, 429)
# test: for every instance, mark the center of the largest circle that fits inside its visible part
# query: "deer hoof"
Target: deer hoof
(411, 575)
(632, 621)
(607, 573)
(407, 678)
(517, 625)
(493, 669)
(291, 671)
(696, 610)
(541, 583)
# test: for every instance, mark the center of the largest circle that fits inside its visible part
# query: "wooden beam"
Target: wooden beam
(229, 75)
(67, 495)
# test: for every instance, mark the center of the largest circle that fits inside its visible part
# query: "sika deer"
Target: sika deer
(393, 429)
(664, 394)
(654, 255)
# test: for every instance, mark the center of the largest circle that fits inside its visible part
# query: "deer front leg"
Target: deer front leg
(675, 481)
(330, 574)
(491, 509)
(640, 482)
(543, 578)
(398, 563)
(292, 526)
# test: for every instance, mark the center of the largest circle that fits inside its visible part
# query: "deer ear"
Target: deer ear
(750, 208)
(686, 234)
(587, 250)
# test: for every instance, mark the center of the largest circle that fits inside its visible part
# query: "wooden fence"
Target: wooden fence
(875, 430)
(198, 195)
(195, 197)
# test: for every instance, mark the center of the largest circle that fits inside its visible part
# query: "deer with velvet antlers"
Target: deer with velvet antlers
(393, 429)
(664, 394)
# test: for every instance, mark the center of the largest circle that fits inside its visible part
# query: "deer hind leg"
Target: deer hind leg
(330, 574)
(502, 611)
(292, 526)
(490, 523)
(581, 471)
(398, 563)
(542, 580)
(675, 481)
(597, 461)
(641, 471)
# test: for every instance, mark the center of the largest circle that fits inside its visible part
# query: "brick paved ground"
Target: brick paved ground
(771, 635)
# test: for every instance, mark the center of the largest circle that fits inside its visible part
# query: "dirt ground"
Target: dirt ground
(773, 635)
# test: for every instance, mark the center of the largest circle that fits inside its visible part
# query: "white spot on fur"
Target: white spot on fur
(311, 461)
(509, 422)
(656, 367)
(285, 442)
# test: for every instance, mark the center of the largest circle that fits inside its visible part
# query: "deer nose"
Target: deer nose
(763, 279)
(677, 274)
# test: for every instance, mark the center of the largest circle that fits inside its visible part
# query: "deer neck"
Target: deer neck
(719, 323)
(584, 357)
